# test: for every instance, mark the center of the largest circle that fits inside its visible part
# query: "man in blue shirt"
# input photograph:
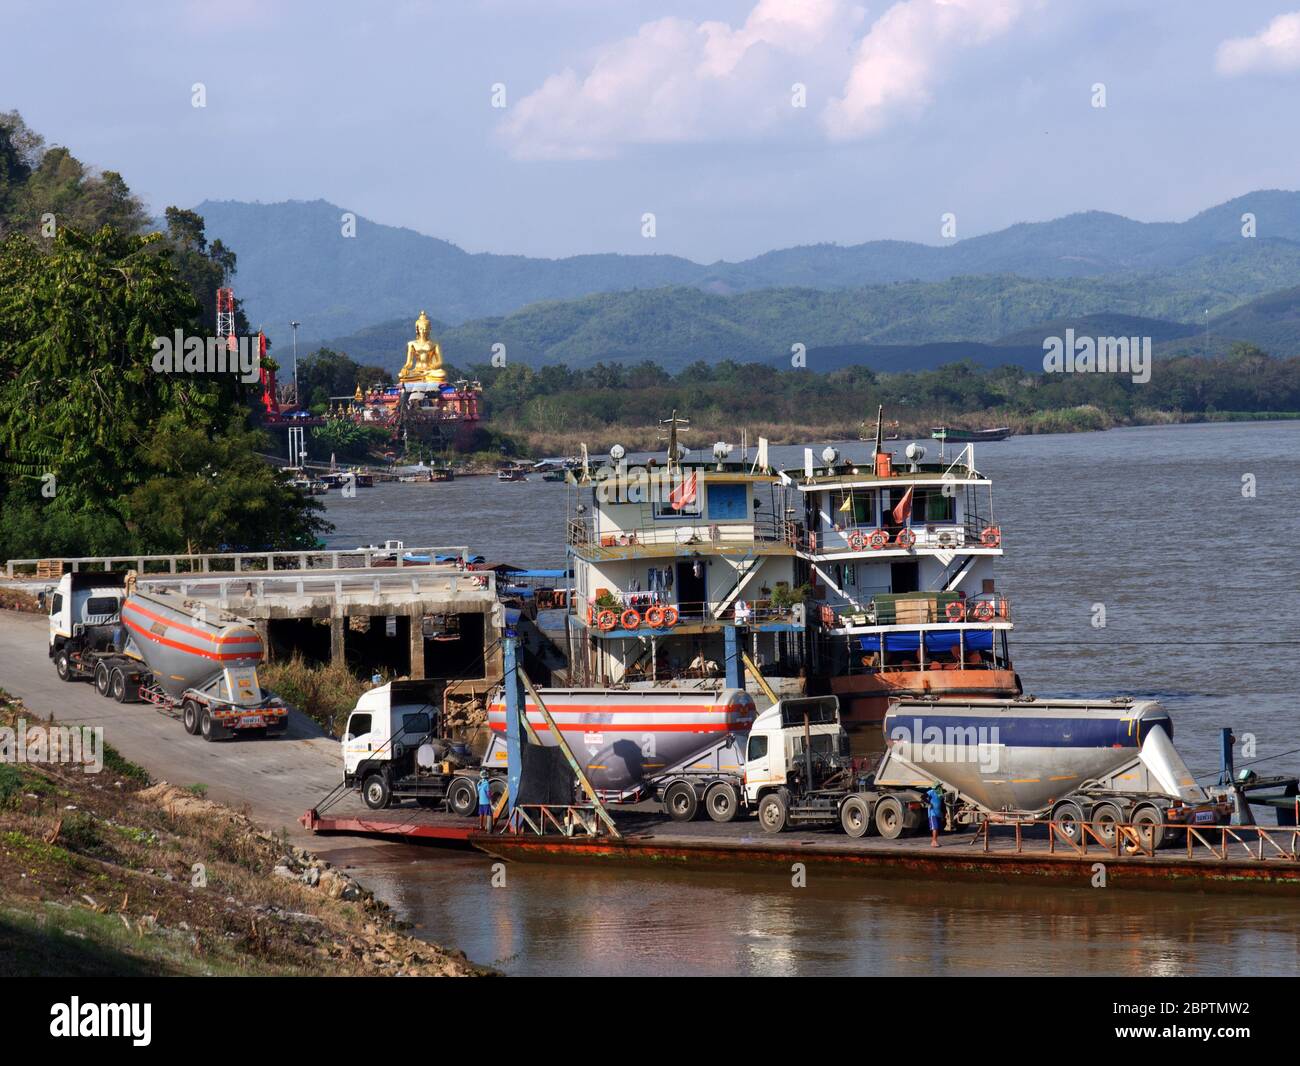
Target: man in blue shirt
(484, 802)
(935, 796)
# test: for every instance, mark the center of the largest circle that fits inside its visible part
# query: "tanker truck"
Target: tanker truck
(1068, 761)
(161, 649)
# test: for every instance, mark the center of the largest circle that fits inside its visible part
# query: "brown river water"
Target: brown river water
(1202, 597)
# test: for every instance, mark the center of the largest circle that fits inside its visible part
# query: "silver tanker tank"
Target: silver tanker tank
(185, 650)
(1023, 755)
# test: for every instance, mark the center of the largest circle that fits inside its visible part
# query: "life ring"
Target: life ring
(905, 539)
(606, 620)
(983, 611)
(670, 617)
(857, 541)
(878, 538)
(955, 611)
(991, 537)
(629, 619)
(654, 616)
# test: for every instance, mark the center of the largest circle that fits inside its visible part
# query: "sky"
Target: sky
(739, 125)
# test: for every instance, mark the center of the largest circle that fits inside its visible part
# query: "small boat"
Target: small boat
(511, 475)
(442, 473)
(554, 475)
(969, 436)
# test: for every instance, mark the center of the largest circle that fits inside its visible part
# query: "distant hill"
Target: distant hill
(1272, 322)
(294, 263)
(991, 320)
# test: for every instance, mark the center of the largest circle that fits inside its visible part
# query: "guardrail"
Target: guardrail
(758, 611)
(568, 820)
(680, 534)
(920, 536)
(257, 562)
(371, 587)
(1124, 838)
(977, 610)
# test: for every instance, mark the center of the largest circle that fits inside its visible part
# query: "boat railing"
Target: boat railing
(841, 613)
(681, 533)
(751, 612)
(919, 536)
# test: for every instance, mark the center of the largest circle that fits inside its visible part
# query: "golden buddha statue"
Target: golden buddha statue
(423, 357)
(357, 397)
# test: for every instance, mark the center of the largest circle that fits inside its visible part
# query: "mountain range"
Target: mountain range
(296, 264)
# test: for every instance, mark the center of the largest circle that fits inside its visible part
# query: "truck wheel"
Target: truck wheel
(190, 717)
(1105, 817)
(119, 686)
(1150, 826)
(720, 801)
(462, 798)
(680, 801)
(855, 817)
(63, 666)
(1067, 817)
(889, 818)
(773, 811)
(101, 679)
(375, 792)
(207, 727)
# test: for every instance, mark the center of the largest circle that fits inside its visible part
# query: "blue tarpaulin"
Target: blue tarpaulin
(935, 641)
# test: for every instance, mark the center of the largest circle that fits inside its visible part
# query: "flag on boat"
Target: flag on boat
(904, 509)
(684, 494)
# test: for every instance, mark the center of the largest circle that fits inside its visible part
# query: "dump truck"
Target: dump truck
(1068, 761)
(189, 660)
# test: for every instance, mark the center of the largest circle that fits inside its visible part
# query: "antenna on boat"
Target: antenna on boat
(674, 457)
(880, 428)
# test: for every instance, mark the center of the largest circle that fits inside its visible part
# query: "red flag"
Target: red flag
(904, 509)
(684, 493)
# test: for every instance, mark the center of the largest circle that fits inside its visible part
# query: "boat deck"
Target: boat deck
(651, 839)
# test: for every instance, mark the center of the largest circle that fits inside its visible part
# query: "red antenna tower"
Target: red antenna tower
(226, 317)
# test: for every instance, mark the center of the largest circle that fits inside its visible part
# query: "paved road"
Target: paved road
(275, 779)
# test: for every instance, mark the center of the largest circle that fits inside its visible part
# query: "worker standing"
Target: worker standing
(484, 802)
(935, 796)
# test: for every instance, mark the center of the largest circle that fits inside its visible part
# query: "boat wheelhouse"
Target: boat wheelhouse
(666, 557)
(900, 556)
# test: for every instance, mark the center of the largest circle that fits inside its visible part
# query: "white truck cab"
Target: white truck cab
(380, 729)
(83, 599)
(775, 752)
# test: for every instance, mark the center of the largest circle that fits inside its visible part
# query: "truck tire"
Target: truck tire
(1105, 818)
(375, 792)
(462, 797)
(123, 691)
(773, 812)
(680, 802)
(1150, 826)
(63, 665)
(721, 801)
(190, 717)
(890, 820)
(855, 817)
(208, 728)
(1068, 817)
(101, 679)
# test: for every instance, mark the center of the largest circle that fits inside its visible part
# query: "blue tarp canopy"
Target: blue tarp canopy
(539, 573)
(518, 590)
(941, 640)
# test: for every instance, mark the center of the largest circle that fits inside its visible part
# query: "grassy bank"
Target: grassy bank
(108, 875)
(324, 693)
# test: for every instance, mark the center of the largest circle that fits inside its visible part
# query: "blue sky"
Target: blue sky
(913, 109)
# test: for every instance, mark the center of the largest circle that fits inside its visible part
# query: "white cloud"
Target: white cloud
(902, 57)
(676, 80)
(1276, 48)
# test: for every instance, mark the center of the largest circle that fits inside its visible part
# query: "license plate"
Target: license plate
(1204, 816)
(250, 720)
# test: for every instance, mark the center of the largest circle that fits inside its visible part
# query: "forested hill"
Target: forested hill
(296, 264)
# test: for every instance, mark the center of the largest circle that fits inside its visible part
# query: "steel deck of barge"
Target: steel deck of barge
(653, 840)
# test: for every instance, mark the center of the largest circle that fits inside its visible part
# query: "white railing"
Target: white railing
(243, 562)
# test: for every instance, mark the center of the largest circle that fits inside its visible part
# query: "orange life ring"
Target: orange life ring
(878, 538)
(857, 541)
(606, 620)
(991, 537)
(905, 539)
(654, 616)
(956, 611)
(670, 617)
(629, 619)
(983, 611)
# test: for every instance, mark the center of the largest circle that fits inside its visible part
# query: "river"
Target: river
(1200, 611)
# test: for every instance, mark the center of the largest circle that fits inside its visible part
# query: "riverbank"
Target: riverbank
(109, 874)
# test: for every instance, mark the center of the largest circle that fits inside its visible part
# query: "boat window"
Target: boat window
(728, 502)
(853, 508)
(757, 748)
(931, 505)
(358, 726)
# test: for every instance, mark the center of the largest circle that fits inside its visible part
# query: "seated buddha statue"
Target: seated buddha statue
(423, 357)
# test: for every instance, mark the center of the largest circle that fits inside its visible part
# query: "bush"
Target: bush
(324, 693)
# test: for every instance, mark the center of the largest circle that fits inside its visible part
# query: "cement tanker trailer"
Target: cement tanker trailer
(187, 659)
(684, 747)
(1069, 761)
